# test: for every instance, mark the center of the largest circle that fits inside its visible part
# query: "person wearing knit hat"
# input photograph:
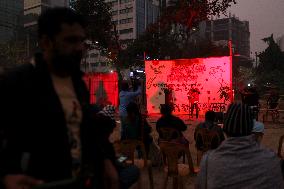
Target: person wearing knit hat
(238, 121)
(240, 162)
(109, 111)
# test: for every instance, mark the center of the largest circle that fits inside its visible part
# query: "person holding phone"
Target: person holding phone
(125, 97)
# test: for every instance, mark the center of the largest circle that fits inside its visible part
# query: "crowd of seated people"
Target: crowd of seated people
(240, 162)
(232, 158)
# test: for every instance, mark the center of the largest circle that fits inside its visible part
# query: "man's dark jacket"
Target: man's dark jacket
(35, 129)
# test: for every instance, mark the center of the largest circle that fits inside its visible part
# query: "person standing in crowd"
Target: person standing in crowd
(125, 97)
(239, 162)
(45, 113)
(250, 97)
(170, 121)
(211, 126)
(137, 127)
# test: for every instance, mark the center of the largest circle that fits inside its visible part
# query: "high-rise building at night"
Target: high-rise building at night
(32, 10)
(10, 19)
(230, 29)
(131, 18)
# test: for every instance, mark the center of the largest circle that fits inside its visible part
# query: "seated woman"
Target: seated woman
(170, 121)
(137, 127)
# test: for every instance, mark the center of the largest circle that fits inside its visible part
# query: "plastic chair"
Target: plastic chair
(168, 134)
(171, 135)
(172, 167)
(209, 139)
(274, 112)
(128, 148)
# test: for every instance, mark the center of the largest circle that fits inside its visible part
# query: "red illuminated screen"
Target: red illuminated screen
(211, 77)
(103, 88)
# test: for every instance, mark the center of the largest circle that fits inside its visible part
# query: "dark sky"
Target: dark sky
(265, 17)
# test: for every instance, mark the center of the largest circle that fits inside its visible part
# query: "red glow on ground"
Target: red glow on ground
(211, 76)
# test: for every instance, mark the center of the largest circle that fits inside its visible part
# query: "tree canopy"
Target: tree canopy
(171, 35)
(98, 17)
(271, 64)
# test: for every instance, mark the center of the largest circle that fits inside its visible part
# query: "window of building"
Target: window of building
(113, 13)
(112, 3)
(126, 41)
(221, 35)
(127, 10)
(125, 1)
(94, 65)
(130, 30)
(125, 21)
(94, 55)
(115, 22)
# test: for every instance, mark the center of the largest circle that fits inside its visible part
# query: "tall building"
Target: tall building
(10, 19)
(131, 18)
(222, 30)
(32, 10)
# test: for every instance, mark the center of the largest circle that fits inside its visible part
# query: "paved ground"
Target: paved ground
(270, 140)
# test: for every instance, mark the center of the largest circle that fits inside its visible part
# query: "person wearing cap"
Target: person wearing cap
(258, 130)
(239, 162)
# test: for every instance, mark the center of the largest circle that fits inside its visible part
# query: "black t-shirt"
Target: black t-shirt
(171, 121)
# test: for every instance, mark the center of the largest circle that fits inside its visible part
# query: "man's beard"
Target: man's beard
(67, 64)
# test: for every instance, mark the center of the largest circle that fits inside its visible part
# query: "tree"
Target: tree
(271, 65)
(272, 57)
(159, 46)
(182, 15)
(171, 35)
(98, 17)
(12, 52)
(101, 31)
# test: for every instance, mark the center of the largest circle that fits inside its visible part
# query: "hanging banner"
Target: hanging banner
(205, 81)
(103, 88)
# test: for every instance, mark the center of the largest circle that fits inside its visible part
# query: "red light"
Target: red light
(209, 75)
(103, 88)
